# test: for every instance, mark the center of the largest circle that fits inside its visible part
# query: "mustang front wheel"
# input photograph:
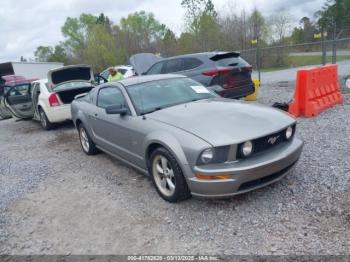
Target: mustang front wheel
(167, 176)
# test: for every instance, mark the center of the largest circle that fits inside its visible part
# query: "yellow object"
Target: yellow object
(254, 41)
(253, 96)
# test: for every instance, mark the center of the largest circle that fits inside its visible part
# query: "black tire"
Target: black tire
(89, 148)
(181, 191)
(44, 121)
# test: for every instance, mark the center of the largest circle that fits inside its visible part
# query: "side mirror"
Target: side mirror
(116, 110)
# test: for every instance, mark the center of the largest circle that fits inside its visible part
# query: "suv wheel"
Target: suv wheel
(167, 176)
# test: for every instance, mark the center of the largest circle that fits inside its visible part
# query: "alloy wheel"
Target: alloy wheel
(163, 175)
(84, 140)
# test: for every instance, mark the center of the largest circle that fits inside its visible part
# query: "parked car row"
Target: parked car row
(188, 139)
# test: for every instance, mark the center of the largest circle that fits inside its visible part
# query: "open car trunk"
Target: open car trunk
(67, 96)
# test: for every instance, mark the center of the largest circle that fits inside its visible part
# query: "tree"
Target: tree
(280, 24)
(51, 54)
(334, 16)
(76, 31)
(141, 32)
(43, 53)
(186, 41)
(169, 43)
(257, 25)
(195, 9)
(100, 51)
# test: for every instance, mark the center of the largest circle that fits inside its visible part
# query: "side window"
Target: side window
(191, 63)
(173, 65)
(155, 69)
(20, 90)
(109, 96)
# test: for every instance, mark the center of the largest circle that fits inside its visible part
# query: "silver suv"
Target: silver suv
(226, 73)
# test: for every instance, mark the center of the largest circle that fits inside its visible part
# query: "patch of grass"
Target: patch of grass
(297, 61)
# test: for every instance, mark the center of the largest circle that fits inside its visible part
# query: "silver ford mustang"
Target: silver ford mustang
(188, 140)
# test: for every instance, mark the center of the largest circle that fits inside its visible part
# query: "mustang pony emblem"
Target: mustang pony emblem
(273, 139)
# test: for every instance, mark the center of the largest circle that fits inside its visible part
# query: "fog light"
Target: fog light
(289, 132)
(207, 155)
(247, 148)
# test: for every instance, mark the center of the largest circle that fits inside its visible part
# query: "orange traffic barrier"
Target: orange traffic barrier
(317, 89)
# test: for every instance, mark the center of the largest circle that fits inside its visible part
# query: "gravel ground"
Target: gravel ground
(56, 200)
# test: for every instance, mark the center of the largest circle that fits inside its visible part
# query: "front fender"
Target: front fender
(169, 142)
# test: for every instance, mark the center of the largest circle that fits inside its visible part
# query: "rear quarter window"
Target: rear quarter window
(173, 65)
(191, 63)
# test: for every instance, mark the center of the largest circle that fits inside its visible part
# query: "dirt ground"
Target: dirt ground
(57, 200)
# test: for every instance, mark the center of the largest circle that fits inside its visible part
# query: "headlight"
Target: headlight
(207, 155)
(289, 132)
(247, 148)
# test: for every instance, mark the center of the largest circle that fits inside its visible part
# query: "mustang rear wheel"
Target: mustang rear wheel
(87, 144)
(167, 176)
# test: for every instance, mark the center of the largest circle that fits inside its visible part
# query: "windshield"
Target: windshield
(72, 85)
(150, 96)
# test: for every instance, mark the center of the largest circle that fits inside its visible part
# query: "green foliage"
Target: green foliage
(43, 53)
(186, 41)
(100, 51)
(142, 29)
(334, 14)
(76, 31)
(257, 25)
(169, 43)
(51, 54)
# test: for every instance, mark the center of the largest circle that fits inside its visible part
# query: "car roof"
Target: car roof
(147, 78)
(203, 54)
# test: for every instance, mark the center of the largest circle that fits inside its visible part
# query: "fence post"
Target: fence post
(258, 57)
(324, 51)
(334, 45)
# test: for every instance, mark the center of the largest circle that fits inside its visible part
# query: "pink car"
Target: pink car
(10, 80)
(14, 79)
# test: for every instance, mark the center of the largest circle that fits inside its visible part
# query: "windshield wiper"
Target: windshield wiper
(152, 110)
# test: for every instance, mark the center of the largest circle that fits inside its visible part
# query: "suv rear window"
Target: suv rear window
(234, 61)
(229, 59)
(191, 63)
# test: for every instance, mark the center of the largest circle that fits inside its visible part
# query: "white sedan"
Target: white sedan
(48, 100)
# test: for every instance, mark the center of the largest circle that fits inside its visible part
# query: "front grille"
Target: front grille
(266, 142)
(264, 180)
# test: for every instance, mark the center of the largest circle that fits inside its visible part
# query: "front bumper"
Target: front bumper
(248, 174)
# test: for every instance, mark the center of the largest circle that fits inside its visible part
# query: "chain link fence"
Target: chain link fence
(291, 56)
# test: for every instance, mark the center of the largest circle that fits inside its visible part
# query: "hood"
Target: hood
(70, 73)
(143, 61)
(222, 121)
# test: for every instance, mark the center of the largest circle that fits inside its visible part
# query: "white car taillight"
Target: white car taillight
(53, 100)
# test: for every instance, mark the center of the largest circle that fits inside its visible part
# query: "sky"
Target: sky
(26, 24)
